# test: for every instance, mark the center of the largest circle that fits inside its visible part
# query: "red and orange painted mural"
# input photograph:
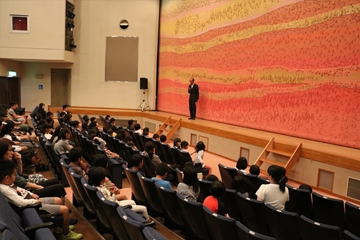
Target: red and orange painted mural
(285, 66)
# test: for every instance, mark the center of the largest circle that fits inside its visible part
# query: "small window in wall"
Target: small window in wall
(244, 152)
(325, 179)
(19, 23)
(193, 139)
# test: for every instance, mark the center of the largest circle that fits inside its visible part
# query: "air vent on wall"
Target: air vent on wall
(353, 189)
(151, 126)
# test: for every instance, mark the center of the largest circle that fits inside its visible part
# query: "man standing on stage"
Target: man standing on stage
(193, 90)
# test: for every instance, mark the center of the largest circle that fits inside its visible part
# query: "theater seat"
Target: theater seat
(328, 210)
(300, 201)
(102, 221)
(109, 208)
(135, 229)
(220, 227)
(23, 227)
(172, 212)
(152, 234)
(227, 175)
(204, 189)
(229, 198)
(194, 219)
(252, 213)
(151, 195)
(135, 186)
(311, 230)
(282, 225)
(352, 217)
(246, 234)
(350, 236)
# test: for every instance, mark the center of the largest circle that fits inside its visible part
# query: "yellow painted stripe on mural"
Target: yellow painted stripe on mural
(199, 20)
(247, 33)
(263, 76)
(249, 93)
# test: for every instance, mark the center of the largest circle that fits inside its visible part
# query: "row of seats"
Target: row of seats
(180, 213)
(255, 220)
(121, 223)
(27, 226)
(165, 152)
(312, 205)
(23, 225)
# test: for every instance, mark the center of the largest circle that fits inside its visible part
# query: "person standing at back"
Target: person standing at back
(193, 90)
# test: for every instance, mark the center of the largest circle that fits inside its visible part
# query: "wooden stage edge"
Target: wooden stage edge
(340, 156)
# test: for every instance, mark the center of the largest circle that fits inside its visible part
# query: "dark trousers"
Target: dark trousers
(52, 188)
(192, 108)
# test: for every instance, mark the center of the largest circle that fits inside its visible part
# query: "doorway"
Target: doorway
(60, 87)
(10, 90)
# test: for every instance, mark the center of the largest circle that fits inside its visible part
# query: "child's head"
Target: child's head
(177, 142)
(212, 178)
(190, 178)
(64, 134)
(162, 170)
(100, 160)
(50, 114)
(217, 189)
(137, 160)
(66, 107)
(75, 154)
(47, 127)
(84, 126)
(241, 163)
(7, 172)
(239, 184)
(163, 138)
(7, 127)
(200, 146)
(156, 137)
(305, 187)
(131, 122)
(255, 170)
(146, 131)
(137, 127)
(128, 139)
(189, 165)
(49, 120)
(277, 175)
(184, 145)
(96, 176)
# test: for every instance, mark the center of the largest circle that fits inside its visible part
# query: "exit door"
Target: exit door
(10, 90)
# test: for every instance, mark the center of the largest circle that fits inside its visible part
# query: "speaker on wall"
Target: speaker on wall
(143, 83)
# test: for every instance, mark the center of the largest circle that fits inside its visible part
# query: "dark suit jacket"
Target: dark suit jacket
(194, 92)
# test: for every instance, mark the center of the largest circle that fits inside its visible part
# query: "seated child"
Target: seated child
(76, 163)
(22, 198)
(161, 172)
(212, 178)
(112, 193)
(199, 158)
(184, 146)
(47, 130)
(213, 202)
(242, 164)
(255, 170)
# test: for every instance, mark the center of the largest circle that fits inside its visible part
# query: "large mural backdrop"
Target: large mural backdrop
(285, 66)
